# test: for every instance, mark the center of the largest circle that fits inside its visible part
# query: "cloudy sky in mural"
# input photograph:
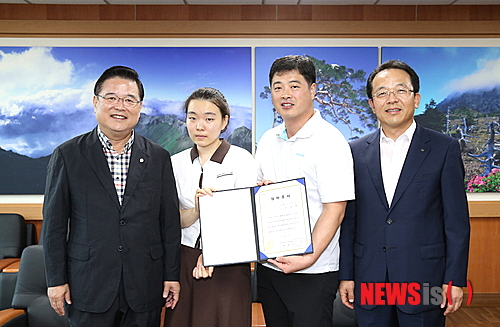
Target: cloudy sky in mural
(46, 92)
(447, 70)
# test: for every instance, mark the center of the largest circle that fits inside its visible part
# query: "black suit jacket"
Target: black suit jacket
(423, 236)
(92, 242)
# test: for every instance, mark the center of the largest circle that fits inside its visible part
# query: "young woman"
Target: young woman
(220, 297)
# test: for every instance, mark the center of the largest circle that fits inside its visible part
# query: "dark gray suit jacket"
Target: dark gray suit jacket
(92, 242)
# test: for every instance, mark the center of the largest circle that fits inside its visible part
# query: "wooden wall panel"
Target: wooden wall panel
(259, 13)
(113, 12)
(246, 29)
(294, 13)
(18, 11)
(390, 13)
(443, 13)
(73, 12)
(152, 12)
(209, 13)
(484, 265)
(481, 209)
(338, 13)
(251, 12)
(484, 12)
(30, 211)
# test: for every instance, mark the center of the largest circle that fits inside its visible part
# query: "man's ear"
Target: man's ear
(94, 102)
(312, 89)
(370, 102)
(417, 100)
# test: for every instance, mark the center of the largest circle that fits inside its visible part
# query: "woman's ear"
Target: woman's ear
(225, 122)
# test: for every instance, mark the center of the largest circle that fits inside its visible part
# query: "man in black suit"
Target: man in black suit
(111, 229)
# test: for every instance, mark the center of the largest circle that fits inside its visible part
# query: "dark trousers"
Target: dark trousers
(118, 315)
(391, 316)
(296, 300)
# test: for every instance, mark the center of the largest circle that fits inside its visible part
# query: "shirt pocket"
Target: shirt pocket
(225, 181)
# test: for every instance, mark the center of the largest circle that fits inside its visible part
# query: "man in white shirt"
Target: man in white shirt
(300, 290)
(408, 228)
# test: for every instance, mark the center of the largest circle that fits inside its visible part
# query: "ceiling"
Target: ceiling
(261, 2)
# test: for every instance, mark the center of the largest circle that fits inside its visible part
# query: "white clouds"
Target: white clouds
(32, 123)
(33, 70)
(486, 77)
(156, 107)
(29, 79)
(45, 100)
(51, 101)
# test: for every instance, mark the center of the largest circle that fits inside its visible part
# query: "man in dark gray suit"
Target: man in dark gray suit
(111, 230)
(409, 224)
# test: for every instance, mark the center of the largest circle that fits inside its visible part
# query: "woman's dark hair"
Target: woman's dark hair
(214, 96)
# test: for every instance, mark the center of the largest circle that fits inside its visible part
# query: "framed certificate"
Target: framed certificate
(255, 223)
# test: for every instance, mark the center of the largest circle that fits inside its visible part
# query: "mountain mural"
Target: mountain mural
(241, 137)
(170, 132)
(166, 130)
(483, 101)
(20, 174)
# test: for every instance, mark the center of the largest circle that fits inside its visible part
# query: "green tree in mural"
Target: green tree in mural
(432, 118)
(340, 96)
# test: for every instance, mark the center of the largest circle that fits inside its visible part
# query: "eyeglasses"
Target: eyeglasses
(401, 92)
(128, 102)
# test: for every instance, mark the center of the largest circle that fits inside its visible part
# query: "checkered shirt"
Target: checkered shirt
(118, 162)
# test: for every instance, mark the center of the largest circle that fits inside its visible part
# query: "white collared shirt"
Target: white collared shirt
(321, 154)
(392, 158)
(229, 167)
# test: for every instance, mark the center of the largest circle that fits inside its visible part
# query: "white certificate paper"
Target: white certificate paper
(255, 223)
(282, 219)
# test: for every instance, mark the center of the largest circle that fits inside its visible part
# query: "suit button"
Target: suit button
(122, 222)
(120, 248)
(389, 221)
(383, 249)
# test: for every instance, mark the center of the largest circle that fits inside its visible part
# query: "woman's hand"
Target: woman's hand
(200, 271)
(199, 193)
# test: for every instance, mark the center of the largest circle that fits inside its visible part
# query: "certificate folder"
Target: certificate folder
(255, 223)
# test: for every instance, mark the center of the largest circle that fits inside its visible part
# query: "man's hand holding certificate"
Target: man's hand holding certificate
(255, 223)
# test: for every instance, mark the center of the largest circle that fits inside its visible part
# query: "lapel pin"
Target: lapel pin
(422, 150)
(141, 160)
